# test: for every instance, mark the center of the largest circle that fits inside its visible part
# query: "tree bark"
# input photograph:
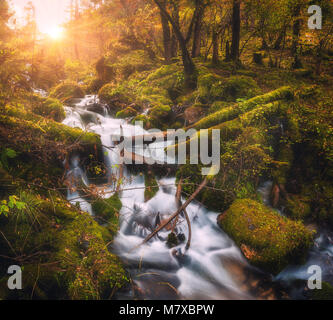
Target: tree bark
(167, 44)
(296, 34)
(199, 12)
(215, 47)
(235, 30)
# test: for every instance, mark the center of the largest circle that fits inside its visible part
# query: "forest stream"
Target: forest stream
(213, 267)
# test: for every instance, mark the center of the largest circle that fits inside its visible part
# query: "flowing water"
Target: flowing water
(213, 267)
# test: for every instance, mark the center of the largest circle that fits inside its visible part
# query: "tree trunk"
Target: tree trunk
(174, 43)
(227, 51)
(167, 44)
(190, 72)
(199, 12)
(296, 34)
(215, 48)
(235, 30)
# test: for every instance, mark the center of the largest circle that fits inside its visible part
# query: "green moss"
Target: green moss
(283, 164)
(218, 105)
(50, 108)
(160, 116)
(298, 207)
(244, 159)
(269, 240)
(325, 293)
(151, 186)
(41, 127)
(236, 87)
(126, 113)
(172, 240)
(144, 119)
(232, 112)
(107, 209)
(115, 97)
(65, 250)
(66, 91)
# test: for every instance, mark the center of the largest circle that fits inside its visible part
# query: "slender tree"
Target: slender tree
(236, 23)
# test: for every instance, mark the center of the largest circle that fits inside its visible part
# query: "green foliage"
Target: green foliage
(13, 203)
(6, 154)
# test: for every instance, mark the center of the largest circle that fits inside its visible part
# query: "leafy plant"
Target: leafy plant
(12, 203)
(5, 155)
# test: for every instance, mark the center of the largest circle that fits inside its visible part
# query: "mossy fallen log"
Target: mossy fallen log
(42, 129)
(267, 239)
(230, 113)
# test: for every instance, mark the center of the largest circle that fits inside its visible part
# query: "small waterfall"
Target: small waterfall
(213, 267)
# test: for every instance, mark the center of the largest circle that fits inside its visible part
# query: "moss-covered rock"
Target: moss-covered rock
(115, 97)
(50, 108)
(298, 207)
(66, 91)
(234, 88)
(126, 113)
(146, 121)
(151, 186)
(172, 240)
(267, 239)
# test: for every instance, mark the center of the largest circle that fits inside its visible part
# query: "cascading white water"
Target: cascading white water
(213, 267)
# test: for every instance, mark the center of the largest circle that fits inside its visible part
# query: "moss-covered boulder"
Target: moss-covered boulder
(234, 88)
(66, 91)
(50, 108)
(126, 113)
(115, 97)
(267, 239)
(298, 207)
(160, 116)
